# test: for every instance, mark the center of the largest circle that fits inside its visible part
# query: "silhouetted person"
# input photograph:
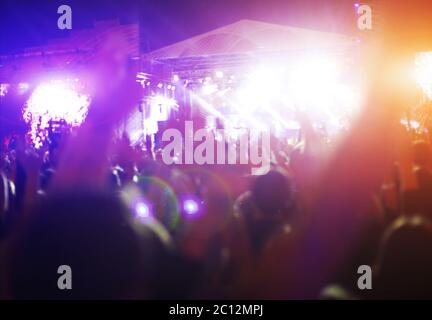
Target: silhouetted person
(404, 269)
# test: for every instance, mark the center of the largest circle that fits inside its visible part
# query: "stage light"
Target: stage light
(259, 89)
(176, 78)
(219, 74)
(410, 124)
(269, 93)
(207, 106)
(54, 101)
(23, 87)
(209, 89)
(423, 72)
(4, 88)
(160, 85)
(141, 75)
(161, 107)
(314, 75)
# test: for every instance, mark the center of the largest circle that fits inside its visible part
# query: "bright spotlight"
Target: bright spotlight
(54, 101)
(262, 86)
(209, 89)
(313, 84)
(161, 107)
(423, 72)
(314, 76)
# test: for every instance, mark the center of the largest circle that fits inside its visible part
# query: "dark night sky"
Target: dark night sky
(30, 22)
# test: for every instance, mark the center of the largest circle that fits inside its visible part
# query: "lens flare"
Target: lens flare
(190, 206)
(142, 210)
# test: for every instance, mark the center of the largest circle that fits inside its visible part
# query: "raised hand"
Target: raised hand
(114, 93)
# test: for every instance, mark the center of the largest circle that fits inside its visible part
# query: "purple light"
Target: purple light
(23, 87)
(142, 210)
(190, 206)
(55, 100)
(356, 5)
(4, 87)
